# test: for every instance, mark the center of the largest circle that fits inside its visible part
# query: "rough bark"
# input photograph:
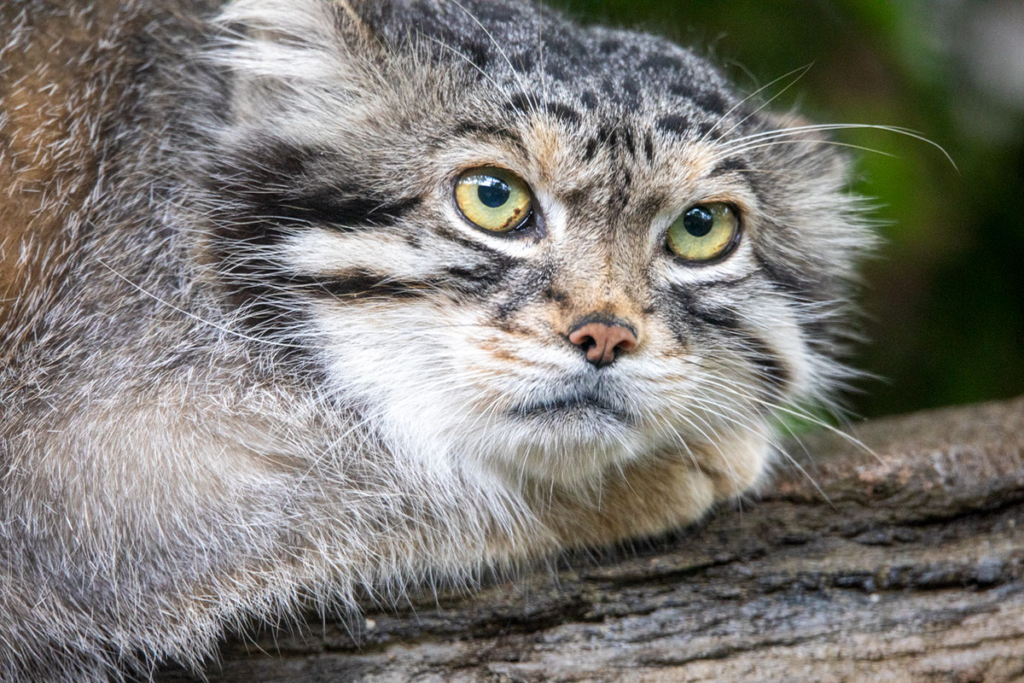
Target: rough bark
(902, 563)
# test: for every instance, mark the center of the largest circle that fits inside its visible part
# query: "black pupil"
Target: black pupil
(493, 192)
(698, 221)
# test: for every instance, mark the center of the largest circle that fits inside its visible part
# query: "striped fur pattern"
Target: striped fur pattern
(252, 355)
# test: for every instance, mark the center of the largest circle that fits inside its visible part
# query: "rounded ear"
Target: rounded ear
(299, 20)
(300, 41)
(285, 57)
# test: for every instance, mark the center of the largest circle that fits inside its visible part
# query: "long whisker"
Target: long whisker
(737, 146)
(831, 143)
(465, 59)
(801, 72)
(497, 46)
(777, 447)
(796, 411)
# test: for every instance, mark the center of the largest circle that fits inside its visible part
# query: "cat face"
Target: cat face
(519, 244)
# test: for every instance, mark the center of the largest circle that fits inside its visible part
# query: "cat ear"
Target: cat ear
(284, 53)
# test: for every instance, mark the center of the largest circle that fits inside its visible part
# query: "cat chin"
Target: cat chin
(571, 442)
(617, 453)
(569, 446)
(572, 453)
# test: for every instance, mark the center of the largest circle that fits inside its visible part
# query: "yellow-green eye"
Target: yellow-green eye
(493, 199)
(704, 232)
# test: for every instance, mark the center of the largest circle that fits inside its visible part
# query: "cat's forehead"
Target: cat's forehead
(531, 52)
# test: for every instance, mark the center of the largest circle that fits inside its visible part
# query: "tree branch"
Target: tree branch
(912, 572)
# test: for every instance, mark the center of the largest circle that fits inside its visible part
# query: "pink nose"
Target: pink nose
(603, 342)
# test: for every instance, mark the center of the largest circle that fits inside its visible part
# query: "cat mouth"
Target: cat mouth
(582, 404)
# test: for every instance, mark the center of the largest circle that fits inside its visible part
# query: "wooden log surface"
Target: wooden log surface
(900, 564)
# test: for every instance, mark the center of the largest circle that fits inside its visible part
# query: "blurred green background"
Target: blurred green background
(944, 298)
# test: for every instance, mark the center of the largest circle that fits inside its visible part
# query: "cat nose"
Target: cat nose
(603, 340)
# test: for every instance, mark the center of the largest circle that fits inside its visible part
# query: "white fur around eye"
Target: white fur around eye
(552, 214)
(556, 214)
(737, 264)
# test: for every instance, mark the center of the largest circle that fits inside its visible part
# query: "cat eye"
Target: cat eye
(704, 232)
(493, 199)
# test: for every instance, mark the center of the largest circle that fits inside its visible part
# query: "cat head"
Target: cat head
(520, 244)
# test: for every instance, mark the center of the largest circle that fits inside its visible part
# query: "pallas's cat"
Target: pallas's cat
(312, 298)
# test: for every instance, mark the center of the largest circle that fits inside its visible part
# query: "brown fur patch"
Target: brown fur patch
(647, 498)
(51, 102)
(652, 495)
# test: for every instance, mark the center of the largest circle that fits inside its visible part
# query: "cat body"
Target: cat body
(253, 353)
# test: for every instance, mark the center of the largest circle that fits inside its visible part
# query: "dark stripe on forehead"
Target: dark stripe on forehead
(620, 195)
(606, 135)
(471, 128)
(649, 147)
(563, 113)
(661, 62)
(676, 125)
(709, 131)
(627, 140)
(728, 166)
(710, 101)
(521, 103)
